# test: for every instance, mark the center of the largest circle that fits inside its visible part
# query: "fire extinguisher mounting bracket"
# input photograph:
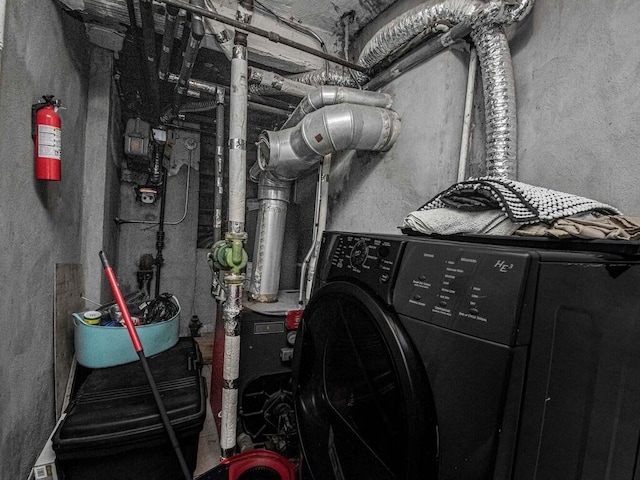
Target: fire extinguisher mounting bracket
(44, 102)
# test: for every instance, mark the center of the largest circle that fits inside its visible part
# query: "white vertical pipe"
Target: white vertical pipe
(238, 101)
(3, 9)
(468, 111)
(307, 271)
(238, 136)
(314, 237)
(325, 168)
(231, 367)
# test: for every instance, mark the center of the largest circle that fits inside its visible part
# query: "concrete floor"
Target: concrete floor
(209, 444)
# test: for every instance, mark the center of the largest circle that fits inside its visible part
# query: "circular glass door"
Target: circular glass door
(363, 404)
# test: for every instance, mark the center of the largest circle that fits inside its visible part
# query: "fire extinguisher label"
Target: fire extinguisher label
(49, 142)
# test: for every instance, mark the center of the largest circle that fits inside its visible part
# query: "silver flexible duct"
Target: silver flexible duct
(518, 12)
(494, 57)
(262, 82)
(416, 21)
(325, 77)
(495, 63)
(288, 153)
(396, 34)
(499, 101)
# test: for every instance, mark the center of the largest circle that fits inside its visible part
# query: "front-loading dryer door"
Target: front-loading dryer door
(363, 404)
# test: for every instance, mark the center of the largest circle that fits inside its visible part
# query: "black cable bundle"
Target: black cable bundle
(160, 309)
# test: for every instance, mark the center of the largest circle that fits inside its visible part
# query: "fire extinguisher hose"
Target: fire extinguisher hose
(133, 334)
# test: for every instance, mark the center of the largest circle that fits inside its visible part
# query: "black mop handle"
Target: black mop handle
(122, 304)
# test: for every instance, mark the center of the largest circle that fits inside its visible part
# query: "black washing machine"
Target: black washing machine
(440, 358)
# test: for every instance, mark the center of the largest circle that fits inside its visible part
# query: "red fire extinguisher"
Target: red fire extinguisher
(47, 135)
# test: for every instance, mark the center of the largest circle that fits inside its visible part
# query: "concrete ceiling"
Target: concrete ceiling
(328, 19)
(108, 25)
(330, 16)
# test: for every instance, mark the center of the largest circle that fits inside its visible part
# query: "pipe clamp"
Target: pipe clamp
(237, 144)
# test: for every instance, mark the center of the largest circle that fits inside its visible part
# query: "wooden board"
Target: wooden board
(67, 300)
(205, 342)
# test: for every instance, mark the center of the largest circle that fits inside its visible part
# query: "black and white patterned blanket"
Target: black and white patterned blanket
(521, 202)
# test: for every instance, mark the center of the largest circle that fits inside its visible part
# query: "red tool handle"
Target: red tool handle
(122, 304)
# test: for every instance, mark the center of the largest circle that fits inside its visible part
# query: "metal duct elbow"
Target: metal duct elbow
(288, 153)
(333, 95)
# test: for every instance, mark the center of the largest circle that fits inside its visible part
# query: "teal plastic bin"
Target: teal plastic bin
(100, 347)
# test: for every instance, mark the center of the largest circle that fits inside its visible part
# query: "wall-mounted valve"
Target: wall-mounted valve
(229, 254)
(230, 257)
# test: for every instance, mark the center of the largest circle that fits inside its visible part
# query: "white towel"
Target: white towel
(450, 221)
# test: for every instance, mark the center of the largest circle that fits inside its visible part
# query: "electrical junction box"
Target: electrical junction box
(137, 138)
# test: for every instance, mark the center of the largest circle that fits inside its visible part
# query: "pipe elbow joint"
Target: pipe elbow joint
(288, 153)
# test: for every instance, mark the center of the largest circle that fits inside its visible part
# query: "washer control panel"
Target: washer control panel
(466, 288)
(372, 261)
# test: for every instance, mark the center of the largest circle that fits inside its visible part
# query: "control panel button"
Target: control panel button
(359, 253)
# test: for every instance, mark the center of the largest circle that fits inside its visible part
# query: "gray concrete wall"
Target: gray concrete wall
(40, 222)
(373, 192)
(178, 274)
(578, 102)
(578, 118)
(100, 180)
